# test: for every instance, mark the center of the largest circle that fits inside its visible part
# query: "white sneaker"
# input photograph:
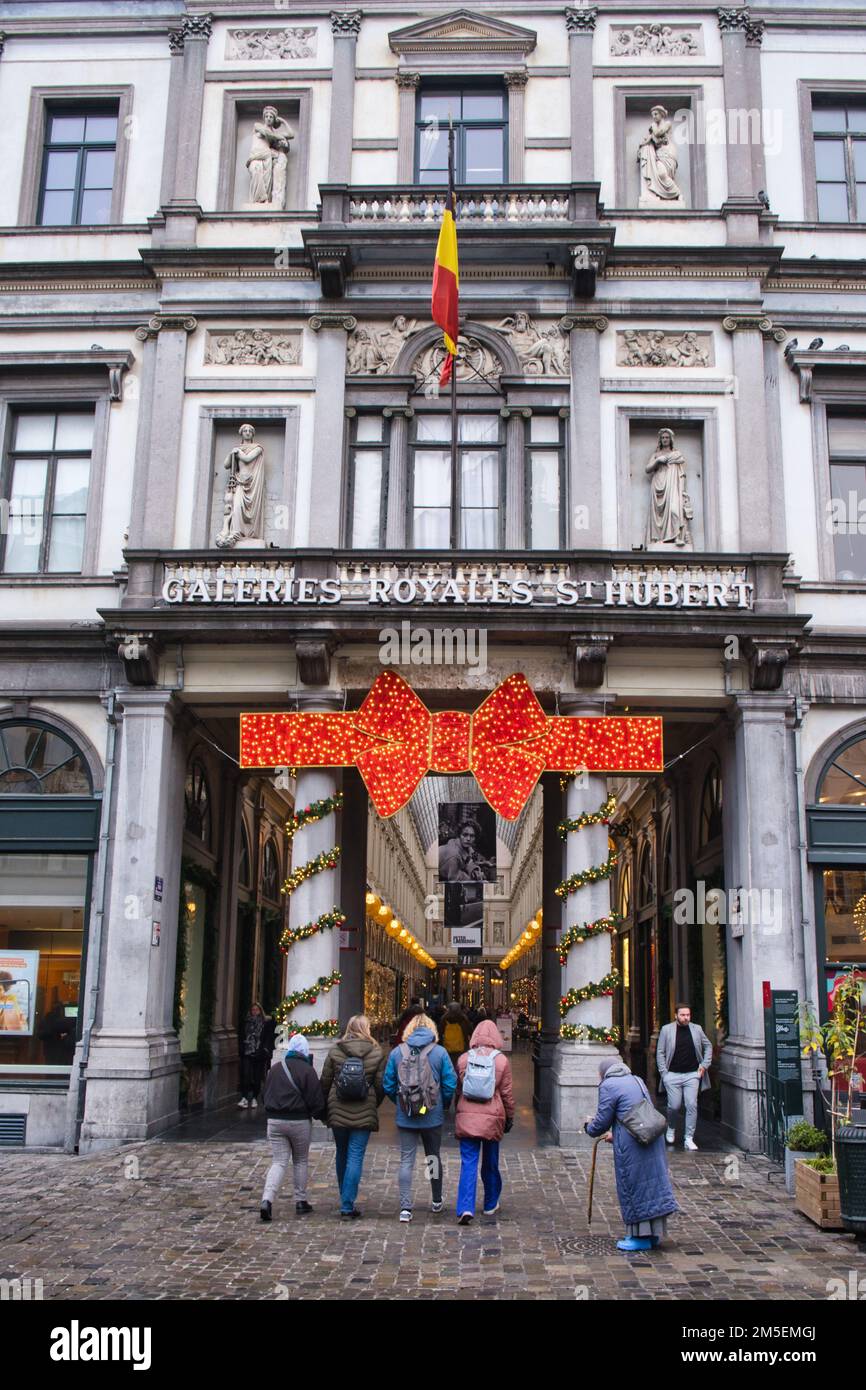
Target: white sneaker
(405, 1214)
(689, 1143)
(436, 1207)
(242, 1104)
(670, 1136)
(254, 1105)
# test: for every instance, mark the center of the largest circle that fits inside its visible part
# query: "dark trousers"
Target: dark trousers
(252, 1074)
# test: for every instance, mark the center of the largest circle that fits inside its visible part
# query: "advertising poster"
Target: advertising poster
(18, 972)
(464, 905)
(467, 842)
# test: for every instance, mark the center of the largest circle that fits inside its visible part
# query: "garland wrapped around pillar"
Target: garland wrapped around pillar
(579, 934)
(309, 942)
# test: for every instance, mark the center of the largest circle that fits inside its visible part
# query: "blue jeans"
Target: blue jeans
(470, 1150)
(351, 1147)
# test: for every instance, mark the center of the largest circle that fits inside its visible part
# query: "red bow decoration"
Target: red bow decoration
(393, 740)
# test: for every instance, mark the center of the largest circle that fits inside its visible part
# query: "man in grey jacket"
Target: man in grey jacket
(683, 1057)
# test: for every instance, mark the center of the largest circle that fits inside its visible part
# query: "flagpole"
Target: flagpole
(452, 200)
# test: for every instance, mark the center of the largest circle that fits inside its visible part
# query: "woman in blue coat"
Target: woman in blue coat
(645, 1194)
(420, 1039)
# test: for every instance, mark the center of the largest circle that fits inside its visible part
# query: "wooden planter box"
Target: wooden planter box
(817, 1196)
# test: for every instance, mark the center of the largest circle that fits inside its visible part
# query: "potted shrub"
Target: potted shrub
(816, 1192)
(842, 1041)
(802, 1141)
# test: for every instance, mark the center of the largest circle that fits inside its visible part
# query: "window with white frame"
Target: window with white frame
(368, 472)
(45, 491)
(456, 509)
(839, 134)
(846, 437)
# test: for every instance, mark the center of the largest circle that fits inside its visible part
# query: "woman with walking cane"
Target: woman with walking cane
(643, 1187)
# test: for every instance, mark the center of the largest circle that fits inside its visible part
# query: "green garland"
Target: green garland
(308, 995)
(586, 1032)
(600, 817)
(576, 935)
(326, 922)
(596, 989)
(319, 1028)
(328, 859)
(596, 873)
(316, 811)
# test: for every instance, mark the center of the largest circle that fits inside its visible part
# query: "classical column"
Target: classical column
(317, 956)
(754, 39)
(184, 125)
(222, 1079)
(756, 499)
(353, 878)
(545, 1043)
(581, 30)
(575, 1068)
(516, 84)
(762, 840)
(775, 467)
(407, 86)
(397, 476)
(133, 1073)
(516, 502)
(160, 422)
(172, 115)
(345, 27)
(326, 484)
(584, 530)
(741, 207)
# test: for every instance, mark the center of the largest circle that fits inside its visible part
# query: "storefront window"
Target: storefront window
(192, 924)
(844, 781)
(42, 908)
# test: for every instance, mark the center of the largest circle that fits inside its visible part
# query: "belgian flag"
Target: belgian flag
(444, 307)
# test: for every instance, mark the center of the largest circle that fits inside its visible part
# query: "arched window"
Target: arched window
(271, 873)
(197, 821)
(36, 760)
(624, 895)
(711, 807)
(844, 779)
(646, 877)
(244, 861)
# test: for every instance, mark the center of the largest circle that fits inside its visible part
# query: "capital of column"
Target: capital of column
(518, 78)
(581, 21)
(755, 33)
(2, 43)
(733, 21)
(345, 321)
(762, 707)
(146, 703)
(407, 80)
(197, 26)
(755, 323)
(175, 42)
(345, 23)
(596, 321)
(172, 322)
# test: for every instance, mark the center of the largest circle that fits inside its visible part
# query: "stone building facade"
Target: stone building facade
(226, 470)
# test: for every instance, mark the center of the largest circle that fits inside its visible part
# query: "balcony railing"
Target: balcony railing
(478, 205)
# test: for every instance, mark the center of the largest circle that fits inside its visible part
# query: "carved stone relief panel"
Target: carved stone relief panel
(656, 347)
(476, 362)
(656, 40)
(373, 348)
(264, 44)
(542, 348)
(253, 347)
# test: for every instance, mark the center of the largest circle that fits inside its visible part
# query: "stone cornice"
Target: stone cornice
(462, 31)
(803, 364)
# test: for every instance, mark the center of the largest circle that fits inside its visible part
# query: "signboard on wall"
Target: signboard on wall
(466, 938)
(18, 974)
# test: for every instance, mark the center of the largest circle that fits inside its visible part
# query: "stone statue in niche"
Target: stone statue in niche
(244, 501)
(268, 159)
(542, 352)
(670, 509)
(658, 163)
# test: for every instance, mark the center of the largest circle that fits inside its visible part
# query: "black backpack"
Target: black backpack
(351, 1083)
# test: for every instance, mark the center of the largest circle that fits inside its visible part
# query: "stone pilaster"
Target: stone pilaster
(754, 39)
(581, 31)
(326, 488)
(516, 84)
(741, 207)
(755, 495)
(157, 452)
(188, 45)
(222, 1080)
(584, 529)
(397, 469)
(407, 85)
(133, 1074)
(345, 27)
(575, 1068)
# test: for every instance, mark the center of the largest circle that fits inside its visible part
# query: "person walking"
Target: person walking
(454, 1033)
(643, 1187)
(293, 1099)
(352, 1085)
(485, 1112)
(420, 1079)
(253, 1056)
(683, 1057)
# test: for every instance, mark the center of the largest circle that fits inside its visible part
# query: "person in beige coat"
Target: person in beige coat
(480, 1124)
(353, 1117)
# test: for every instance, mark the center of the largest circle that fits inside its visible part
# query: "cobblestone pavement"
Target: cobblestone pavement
(165, 1220)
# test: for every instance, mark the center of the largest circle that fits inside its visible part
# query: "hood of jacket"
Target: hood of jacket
(486, 1035)
(420, 1038)
(356, 1047)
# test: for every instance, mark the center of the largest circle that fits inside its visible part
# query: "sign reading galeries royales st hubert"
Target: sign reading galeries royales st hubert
(650, 584)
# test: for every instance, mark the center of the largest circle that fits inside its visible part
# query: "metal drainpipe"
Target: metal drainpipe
(98, 917)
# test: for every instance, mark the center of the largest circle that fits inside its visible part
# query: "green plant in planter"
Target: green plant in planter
(823, 1164)
(805, 1138)
(841, 1040)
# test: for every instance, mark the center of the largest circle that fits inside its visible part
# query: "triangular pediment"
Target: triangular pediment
(462, 31)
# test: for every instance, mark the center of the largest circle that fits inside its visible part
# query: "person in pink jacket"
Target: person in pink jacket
(481, 1123)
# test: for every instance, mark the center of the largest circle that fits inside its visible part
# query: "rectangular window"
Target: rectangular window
(368, 444)
(545, 482)
(839, 132)
(459, 512)
(47, 479)
(78, 165)
(478, 115)
(847, 448)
